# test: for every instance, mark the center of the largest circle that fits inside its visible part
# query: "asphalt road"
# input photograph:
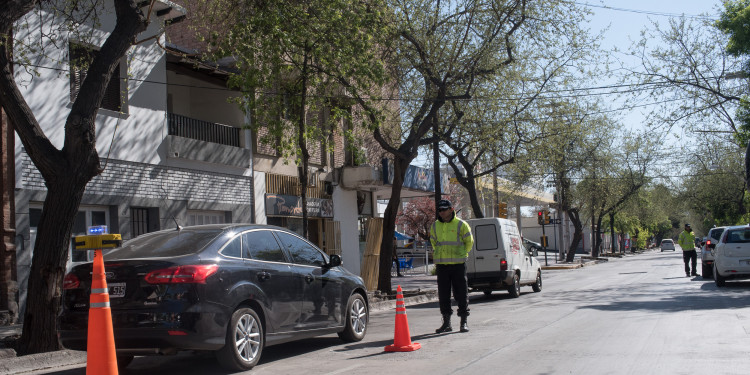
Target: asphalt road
(636, 315)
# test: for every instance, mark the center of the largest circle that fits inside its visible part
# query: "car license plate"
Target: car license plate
(116, 290)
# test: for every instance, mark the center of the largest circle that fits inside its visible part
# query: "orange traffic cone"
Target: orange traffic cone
(101, 356)
(401, 337)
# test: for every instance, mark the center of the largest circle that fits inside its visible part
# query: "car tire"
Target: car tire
(123, 361)
(244, 341)
(515, 288)
(707, 272)
(537, 286)
(357, 317)
(718, 279)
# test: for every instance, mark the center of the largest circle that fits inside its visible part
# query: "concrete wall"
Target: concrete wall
(345, 212)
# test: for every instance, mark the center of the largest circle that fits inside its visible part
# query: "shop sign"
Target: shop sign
(290, 205)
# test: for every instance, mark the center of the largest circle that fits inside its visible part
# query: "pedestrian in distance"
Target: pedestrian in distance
(686, 240)
(451, 240)
(395, 259)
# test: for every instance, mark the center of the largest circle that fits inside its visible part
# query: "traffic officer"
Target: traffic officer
(686, 240)
(451, 239)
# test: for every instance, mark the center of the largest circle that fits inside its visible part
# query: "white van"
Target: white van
(498, 259)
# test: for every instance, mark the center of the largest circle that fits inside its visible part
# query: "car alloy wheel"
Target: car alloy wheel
(244, 341)
(357, 317)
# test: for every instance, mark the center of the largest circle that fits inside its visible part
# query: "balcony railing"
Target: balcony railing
(203, 130)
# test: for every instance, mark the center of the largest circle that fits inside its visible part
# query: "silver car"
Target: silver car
(732, 255)
(707, 259)
(667, 244)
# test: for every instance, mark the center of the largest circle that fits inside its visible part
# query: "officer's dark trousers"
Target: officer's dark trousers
(453, 276)
(690, 257)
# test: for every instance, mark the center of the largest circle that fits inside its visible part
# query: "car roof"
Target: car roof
(745, 226)
(228, 227)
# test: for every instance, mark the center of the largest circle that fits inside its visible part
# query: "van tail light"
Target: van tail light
(503, 264)
(71, 281)
(182, 274)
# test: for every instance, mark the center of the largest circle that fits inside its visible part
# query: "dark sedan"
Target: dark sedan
(228, 288)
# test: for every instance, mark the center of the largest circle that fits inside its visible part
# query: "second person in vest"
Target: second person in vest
(451, 238)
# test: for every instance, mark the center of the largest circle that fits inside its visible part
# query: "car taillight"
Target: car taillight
(182, 274)
(71, 281)
(708, 242)
(503, 265)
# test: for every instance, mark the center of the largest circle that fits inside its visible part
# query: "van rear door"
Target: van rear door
(487, 244)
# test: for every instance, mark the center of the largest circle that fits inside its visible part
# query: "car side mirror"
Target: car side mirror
(335, 261)
(534, 252)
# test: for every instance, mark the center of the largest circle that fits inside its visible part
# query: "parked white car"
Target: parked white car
(498, 259)
(707, 259)
(667, 244)
(732, 255)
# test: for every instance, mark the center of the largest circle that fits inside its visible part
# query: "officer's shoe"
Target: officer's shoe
(464, 325)
(446, 327)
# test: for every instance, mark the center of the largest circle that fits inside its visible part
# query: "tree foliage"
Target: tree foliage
(290, 59)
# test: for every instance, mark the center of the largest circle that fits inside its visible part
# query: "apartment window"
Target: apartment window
(139, 221)
(196, 217)
(80, 59)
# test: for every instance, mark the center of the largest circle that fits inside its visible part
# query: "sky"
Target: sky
(622, 21)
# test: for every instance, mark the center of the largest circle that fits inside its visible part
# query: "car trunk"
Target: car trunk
(127, 286)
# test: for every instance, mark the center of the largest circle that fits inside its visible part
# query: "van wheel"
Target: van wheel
(515, 289)
(244, 341)
(537, 286)
(707, 272)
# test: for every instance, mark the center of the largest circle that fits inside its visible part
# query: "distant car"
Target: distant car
(667, 244)
(732, 255)
(533, 247)
(707, 259)
(228, 288)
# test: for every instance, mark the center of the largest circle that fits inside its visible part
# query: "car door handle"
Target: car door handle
(480, 257)
(262, 276)
(309, 278)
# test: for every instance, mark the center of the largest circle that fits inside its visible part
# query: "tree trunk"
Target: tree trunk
(577, 233)
(612, 231)
(304, 152)
(8, 275)
(598, 239)
(389, 224)
(44, 297)
(472, 191)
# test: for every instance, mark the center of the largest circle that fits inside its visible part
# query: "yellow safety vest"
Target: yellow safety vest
(452, 241)
(686, 241)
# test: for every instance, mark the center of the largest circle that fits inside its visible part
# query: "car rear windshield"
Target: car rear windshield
(716, 233)
(164, 244)
(738, 236)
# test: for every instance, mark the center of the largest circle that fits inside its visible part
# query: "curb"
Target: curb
(41, 361)
(429, 296)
